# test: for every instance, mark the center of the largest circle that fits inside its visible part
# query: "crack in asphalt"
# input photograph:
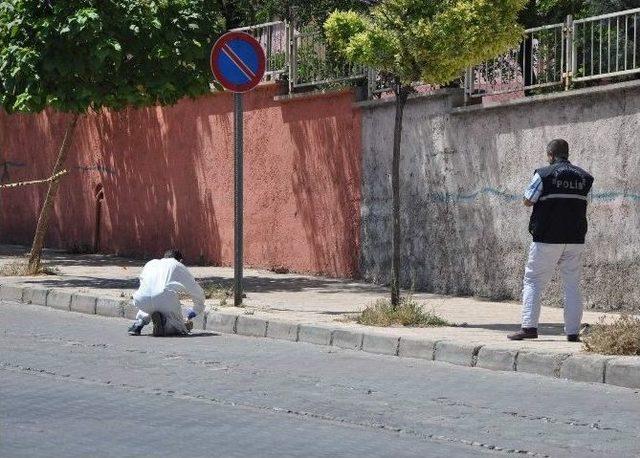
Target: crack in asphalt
(427, 437)
(544, 419)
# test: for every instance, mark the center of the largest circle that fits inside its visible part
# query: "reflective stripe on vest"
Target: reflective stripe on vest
(564, 196)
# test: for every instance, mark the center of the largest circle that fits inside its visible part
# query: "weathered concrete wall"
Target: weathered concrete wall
(463, 175)
(167, 175)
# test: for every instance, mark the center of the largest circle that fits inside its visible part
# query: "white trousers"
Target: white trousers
(543, 259)
(167, 304)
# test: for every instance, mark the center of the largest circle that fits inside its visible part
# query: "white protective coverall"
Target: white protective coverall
(160, 282)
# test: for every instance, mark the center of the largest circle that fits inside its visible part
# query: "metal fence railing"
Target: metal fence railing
(539, 61)
(274, 38)
(313, 64)
(561, 54)
(606, 46)
(551, 57)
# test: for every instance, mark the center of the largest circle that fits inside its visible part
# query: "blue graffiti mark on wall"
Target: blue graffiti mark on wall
(603, 196)
(463, 197)
(612, 195)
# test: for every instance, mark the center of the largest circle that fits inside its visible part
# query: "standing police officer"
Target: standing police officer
(558, 195)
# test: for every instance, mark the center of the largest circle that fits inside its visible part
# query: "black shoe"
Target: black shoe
(573, 338)
(135, 329)
(159, 322)
(524, 333)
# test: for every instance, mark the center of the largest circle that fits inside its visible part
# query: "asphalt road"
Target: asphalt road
(77, 385)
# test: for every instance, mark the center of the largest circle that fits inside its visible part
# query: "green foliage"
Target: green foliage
(302, 11)
(596, 7)
(73, 56)
(543, 12)
(426, 40)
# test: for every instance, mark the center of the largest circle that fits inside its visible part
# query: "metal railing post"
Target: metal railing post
(371, 82)
(287, 48)
(293, 56)
(570, 46)
(468, 75)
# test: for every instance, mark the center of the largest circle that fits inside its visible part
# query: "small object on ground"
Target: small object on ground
(524, 333)
(280, 270)
(159, 321)
(135, 329)
(573, 338)
(189, 325)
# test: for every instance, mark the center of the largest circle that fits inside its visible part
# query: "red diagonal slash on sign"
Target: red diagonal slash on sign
(230, 53)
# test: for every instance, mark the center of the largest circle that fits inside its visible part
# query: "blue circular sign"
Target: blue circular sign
(238, 61)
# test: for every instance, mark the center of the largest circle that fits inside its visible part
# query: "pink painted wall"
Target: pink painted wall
(167, 175)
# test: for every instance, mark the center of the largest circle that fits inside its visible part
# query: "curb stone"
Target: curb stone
(461, 354)
(36, 296)
(59, 300)
(83, 304)
(413, 348)
(619, 371)
(582, 368)
(623, 371)
(314, 335)
(129, 310)
(222, 322)
(497, 359)
(110, 307)
(380, 345)
(251, 326)
(547, 364)
(348, 340)
(11, 293)
(283, 331)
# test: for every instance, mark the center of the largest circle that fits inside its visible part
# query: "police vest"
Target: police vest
(560, 214)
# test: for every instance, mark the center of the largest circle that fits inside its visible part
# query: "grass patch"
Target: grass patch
(408, 313)
(621, 337)
(215, 291)
(21, 269)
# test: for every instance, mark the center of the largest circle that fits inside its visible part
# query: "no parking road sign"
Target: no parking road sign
(238, 61)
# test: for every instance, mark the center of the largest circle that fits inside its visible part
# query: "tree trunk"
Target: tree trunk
(45, 213)
(402, 92)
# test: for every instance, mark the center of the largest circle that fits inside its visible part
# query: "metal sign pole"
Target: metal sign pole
(238, 63)
(238, 198)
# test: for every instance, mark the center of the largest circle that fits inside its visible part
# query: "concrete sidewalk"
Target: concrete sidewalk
(313, 309)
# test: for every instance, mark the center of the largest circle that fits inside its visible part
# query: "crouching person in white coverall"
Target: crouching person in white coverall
(161, 281)
(558, 195)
